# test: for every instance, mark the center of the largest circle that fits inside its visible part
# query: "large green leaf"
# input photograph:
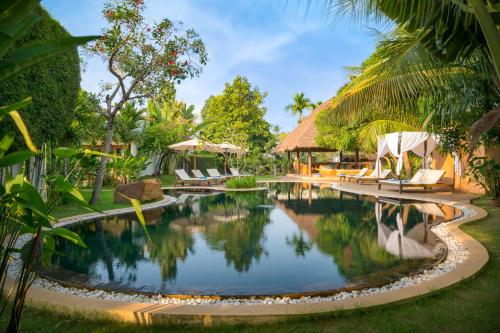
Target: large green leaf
(5, 110)
(26, 57)
(69, 235)
(64, 152)
(138, 211)
(15, 158)
(24, 131)
(16, 19)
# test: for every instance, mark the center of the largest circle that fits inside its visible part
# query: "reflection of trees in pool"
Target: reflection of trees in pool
(241, 239)
(114, 242)
(300, 244)
(169, 245)
(351, 239)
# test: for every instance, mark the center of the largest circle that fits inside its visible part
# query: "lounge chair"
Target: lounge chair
(423, 178)
(236, 172)
(372, 177)
(198, 174)
(214, 173)
(183, 178)
(361, 172)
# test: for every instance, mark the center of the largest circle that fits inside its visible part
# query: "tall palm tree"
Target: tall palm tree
(300, 103)
(439, 47)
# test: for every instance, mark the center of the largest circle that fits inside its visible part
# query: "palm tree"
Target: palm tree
(438, 48)
(300, 103)
(129, 123)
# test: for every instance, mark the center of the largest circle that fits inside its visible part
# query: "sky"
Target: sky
(279, 45)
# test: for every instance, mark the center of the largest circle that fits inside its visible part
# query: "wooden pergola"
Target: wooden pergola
(302, 139)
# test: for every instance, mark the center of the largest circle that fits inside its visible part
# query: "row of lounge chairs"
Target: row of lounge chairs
(426, 178)
(214, 177)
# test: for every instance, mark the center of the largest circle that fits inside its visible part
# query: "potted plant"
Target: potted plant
(486, 172)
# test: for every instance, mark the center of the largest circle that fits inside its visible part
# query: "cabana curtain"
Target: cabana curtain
(421, 143)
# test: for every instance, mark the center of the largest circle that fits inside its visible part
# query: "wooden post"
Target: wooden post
(309, 163)
(298, 163)
(288, 165)
(357, 156)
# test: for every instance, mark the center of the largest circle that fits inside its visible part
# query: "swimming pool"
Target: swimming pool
(293, 238)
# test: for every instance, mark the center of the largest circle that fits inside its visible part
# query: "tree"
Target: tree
(53, 103)
(142, 57)
(437, 49)
(300, 103)
(128, 124)
(237, 116)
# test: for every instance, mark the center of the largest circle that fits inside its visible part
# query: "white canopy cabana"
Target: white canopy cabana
(397, 143)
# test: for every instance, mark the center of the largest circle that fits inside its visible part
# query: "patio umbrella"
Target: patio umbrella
(195, 144)
(229, 148)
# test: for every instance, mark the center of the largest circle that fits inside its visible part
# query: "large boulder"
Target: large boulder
(144, 190)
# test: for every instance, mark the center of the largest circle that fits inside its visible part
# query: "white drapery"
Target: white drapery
(421, 143)
(382, 149)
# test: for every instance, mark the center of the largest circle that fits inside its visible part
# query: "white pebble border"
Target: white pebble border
(457, 253)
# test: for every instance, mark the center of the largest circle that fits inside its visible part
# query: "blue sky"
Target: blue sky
(275, 43)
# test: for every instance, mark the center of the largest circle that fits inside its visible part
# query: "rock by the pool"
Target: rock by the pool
(144, 190)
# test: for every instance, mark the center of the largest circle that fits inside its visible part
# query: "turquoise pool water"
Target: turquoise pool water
(291, 238)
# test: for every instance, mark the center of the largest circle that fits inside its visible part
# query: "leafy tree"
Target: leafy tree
(142, 57)
(87, 126)
(438, 49)
(128, 124)
(237, 116)
(300, 103)
(52, 107)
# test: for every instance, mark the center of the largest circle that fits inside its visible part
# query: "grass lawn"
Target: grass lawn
(470, 306)
(105, 203)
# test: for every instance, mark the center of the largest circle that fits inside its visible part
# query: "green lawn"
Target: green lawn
(106, 201)
(470, 306)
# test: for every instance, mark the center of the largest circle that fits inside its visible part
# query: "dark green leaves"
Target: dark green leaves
(15, 158)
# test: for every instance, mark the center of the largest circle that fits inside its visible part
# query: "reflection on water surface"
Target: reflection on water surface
(292, 238)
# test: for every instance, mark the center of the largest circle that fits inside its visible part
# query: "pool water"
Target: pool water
(292, 238)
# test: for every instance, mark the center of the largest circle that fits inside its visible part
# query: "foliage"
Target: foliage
(242, 182)
(300, 103)
(128, 168)
(485, 172)
(437, 56)
(87, 126)
(237, 116)
(50, 113)
(128, 124)
(143, 58)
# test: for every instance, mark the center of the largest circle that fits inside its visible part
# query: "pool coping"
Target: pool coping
(214, 314)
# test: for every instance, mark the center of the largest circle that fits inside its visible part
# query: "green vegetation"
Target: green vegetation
(470, 306)
(50, 114)
(149, 56)
(237, 116)
(241, 182)
(300, 104)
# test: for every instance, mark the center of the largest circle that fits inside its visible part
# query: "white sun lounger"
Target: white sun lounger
(361, 173)
(236, 172)
(198, 174)
(423, 178)
(214, 173)
(183, 178)
(373, 176)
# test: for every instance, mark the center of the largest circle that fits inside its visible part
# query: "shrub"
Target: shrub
(242, 182)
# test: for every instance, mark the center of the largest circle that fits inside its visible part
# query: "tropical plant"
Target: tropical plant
(242, 182)
(299, 105)
(142, 58)
(237, 116)
(437, 50)
(128, 168)
(128, 124)
(486, 172)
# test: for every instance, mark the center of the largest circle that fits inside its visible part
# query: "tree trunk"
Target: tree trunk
(96, 193)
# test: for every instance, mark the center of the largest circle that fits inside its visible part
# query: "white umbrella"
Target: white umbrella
(195, 144)
(229, 148)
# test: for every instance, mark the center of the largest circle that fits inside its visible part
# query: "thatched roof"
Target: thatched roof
(302, 138)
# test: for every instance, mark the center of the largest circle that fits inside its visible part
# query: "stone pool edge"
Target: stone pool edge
(210, 314)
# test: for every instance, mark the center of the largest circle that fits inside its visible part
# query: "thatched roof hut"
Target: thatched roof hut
(302, 138)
